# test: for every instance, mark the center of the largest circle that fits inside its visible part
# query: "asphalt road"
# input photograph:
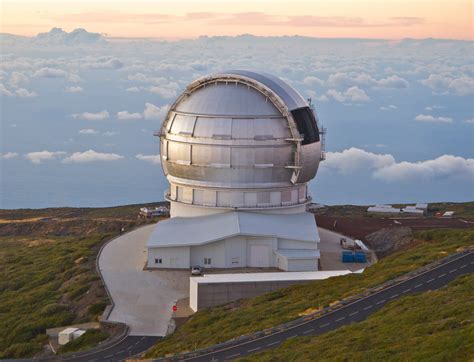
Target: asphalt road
(351, 313)
(128, 347)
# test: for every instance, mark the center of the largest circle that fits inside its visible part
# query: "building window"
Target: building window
(158, 261)
(207, 261)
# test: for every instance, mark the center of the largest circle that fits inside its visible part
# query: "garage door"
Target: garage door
(259, 256)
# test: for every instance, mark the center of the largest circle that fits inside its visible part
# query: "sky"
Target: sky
(83, 86)
(179, 19)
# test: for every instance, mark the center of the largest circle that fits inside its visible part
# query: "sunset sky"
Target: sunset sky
(178, 19)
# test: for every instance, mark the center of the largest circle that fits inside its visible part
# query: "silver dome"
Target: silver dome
(240, 139)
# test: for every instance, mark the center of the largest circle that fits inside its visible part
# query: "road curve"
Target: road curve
(353, 312)
(128, 347)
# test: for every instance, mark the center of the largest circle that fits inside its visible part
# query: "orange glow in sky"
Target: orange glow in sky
(178, 19)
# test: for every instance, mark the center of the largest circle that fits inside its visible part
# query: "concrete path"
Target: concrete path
(143, 299)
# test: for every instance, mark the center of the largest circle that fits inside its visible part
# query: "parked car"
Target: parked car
(196, 270)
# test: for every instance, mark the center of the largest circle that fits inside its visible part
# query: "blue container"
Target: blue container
(359, 257)
(347, 257)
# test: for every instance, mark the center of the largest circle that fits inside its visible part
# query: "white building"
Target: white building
(238, 149)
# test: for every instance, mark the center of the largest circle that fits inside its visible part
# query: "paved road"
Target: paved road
(355, 312)
(129, 347)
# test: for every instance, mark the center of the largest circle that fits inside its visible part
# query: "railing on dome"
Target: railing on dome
(268, 206)
(322, 132)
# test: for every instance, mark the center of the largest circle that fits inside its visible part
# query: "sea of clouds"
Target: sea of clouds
(79, 111)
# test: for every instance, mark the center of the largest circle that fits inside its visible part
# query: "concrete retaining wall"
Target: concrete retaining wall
(206, 295)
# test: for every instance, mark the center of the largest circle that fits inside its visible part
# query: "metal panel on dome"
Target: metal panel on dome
(216, 127)
(227, 99)
(288, 94)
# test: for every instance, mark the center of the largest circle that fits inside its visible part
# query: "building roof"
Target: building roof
(296, 254)
(265, 277)
(184, 231)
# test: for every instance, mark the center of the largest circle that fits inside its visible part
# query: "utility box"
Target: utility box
(78, 333)
(66, 335)
(347, 256)
(359, 257)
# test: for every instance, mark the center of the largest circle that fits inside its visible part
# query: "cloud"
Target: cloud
(73, 89)
(25, 93)
(133, 89)
(445, 166)
(153, 112)
(384, 166)
(104, 63)
(99, 116)
(430, 118)
(8, 155)
(57, 36)
(91, 156)
(125, 115)
(88, 131)
(163, 92)
(17, 78)
(471, 121)
(354, 159)
(461, 86)
(388, 108)
(4, 91)
(109, 133)
(313, 81)
(19, 92)
(352, 94)
(154, 159)
(48, 72)
(393, 81)
(40, 156)
(341, 79)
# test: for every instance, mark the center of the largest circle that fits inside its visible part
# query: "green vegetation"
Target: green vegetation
(222, 323)
(88, 340)
(431, 326)
(39, 281)
(47, 272)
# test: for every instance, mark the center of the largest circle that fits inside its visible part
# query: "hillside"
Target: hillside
(48, 277)
(435, 326)
(209, 327)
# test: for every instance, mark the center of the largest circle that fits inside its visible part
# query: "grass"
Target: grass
(88, 340)
(431, 326)
(209, 327)
(47, 272)
(37, 286)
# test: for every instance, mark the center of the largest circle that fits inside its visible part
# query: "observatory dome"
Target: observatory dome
(240, 140)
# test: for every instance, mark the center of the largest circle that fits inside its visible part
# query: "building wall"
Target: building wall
(216, 251)
(234, 252)
(174, 257)
(302, 265)
(295, 244)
